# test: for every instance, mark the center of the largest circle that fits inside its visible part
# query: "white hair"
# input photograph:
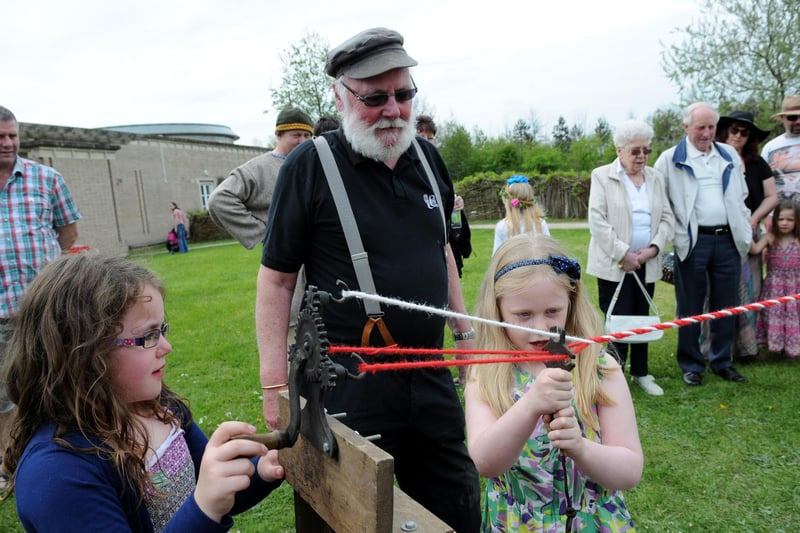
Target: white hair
(690, 109)
(629, 130)
(364, 139)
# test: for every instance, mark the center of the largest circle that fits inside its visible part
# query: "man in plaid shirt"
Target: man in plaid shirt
(38, 221)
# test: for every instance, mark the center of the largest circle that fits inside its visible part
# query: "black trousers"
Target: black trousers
(630, 301)
(419, 417)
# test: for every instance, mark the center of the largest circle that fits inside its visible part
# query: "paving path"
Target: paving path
(578, 224)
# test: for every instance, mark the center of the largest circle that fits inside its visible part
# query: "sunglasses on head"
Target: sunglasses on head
(377, 100)
(791, 118)
(736, 130)
(636, 151)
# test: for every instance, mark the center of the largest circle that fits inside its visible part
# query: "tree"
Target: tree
(304, 83)
(561, 137)
(738, 51)
(668, 129)
(521, 133)
(456, 149)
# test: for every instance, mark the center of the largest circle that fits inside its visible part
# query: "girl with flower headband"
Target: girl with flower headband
(523, 213)
(548, 441)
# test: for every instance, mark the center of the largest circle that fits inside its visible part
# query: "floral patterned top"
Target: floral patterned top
(530, 496)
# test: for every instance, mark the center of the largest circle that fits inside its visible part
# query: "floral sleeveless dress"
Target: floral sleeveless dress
(530, 496)
(779, 326)
(172, 480)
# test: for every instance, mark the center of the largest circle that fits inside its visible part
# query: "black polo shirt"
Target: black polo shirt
(400, 226)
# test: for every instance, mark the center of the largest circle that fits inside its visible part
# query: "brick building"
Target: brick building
(123, 178)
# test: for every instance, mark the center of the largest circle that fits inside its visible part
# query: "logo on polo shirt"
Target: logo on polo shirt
(430, 201)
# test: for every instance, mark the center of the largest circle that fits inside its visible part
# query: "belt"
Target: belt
(714, 230)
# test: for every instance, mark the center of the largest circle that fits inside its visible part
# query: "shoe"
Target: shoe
(729, 374)
(648, 383)
(6, 407)
(693, 379)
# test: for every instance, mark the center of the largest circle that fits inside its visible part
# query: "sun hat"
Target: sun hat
(791, 106)
(368, 54)
(742, 116)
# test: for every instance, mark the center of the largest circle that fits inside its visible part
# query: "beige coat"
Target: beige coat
(611, 225)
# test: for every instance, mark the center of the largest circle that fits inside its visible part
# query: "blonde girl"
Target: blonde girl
(523, 213)
(522, 417)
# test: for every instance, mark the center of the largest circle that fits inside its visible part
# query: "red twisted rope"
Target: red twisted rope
(537, 355)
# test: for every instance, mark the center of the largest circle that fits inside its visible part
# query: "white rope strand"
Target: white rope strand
(451, 314)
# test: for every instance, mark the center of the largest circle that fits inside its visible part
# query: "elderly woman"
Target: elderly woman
(738, 130)
(630, 222)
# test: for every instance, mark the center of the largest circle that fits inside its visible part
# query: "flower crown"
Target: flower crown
(517, 178)
(516, 202)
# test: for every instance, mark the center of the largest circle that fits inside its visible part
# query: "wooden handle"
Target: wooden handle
(274, 440)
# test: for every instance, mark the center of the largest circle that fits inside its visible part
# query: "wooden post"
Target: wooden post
(354, 492)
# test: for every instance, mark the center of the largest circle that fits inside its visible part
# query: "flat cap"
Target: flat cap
(368, 54)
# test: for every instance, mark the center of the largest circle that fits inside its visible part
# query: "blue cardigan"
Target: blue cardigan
(61, 490)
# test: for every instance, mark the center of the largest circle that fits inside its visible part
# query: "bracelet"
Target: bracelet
(464, 335)
(271, 387)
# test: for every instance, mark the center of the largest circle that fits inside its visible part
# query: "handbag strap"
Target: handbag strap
(641, 286)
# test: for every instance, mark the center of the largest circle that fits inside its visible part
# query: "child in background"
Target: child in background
(778, 327)
(98, 442)
(522, 417)
(523, 214)
(172, 242)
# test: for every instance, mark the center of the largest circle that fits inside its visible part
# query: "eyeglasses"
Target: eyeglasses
(148, 340)
(791, 118)
(636, 151)
(377, 100)
(744, 132)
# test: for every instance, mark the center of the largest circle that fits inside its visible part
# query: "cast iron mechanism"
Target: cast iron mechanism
(559, 348)
(311, 372)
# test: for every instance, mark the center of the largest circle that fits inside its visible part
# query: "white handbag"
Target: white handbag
(619, 323)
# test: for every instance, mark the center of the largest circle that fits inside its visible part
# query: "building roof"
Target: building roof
(197, 132)
(34, 135)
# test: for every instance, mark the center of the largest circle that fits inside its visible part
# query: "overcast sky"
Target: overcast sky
(94, 63)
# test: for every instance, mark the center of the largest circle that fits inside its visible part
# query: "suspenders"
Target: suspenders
(357, 254)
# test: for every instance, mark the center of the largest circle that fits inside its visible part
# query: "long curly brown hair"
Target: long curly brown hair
(57, 368)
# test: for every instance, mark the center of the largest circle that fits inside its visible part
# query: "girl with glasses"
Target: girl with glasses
(99, 442)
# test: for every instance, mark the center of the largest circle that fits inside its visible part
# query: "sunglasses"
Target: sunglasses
(377, 100)
(735, 130)
(791, 118)
(636, 151)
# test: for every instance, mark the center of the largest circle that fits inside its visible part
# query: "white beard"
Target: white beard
(373, 145)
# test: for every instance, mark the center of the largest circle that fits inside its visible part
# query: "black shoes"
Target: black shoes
(730, 374)
(693, 379)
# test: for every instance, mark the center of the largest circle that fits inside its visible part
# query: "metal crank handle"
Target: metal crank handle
(274, 440)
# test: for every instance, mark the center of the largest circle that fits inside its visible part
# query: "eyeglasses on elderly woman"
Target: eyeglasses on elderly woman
(640, 150)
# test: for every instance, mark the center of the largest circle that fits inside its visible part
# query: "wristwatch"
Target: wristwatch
(464, 335)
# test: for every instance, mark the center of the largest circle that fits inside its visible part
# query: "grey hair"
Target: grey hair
(690, 109)
(6, 115)
(629, 130)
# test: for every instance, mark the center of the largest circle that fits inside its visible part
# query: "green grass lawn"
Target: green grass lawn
(721, 457)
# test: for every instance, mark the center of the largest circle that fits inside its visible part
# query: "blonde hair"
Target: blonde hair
(527, 214)
(495, 381)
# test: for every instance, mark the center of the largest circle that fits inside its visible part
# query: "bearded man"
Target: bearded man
(417, 413)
